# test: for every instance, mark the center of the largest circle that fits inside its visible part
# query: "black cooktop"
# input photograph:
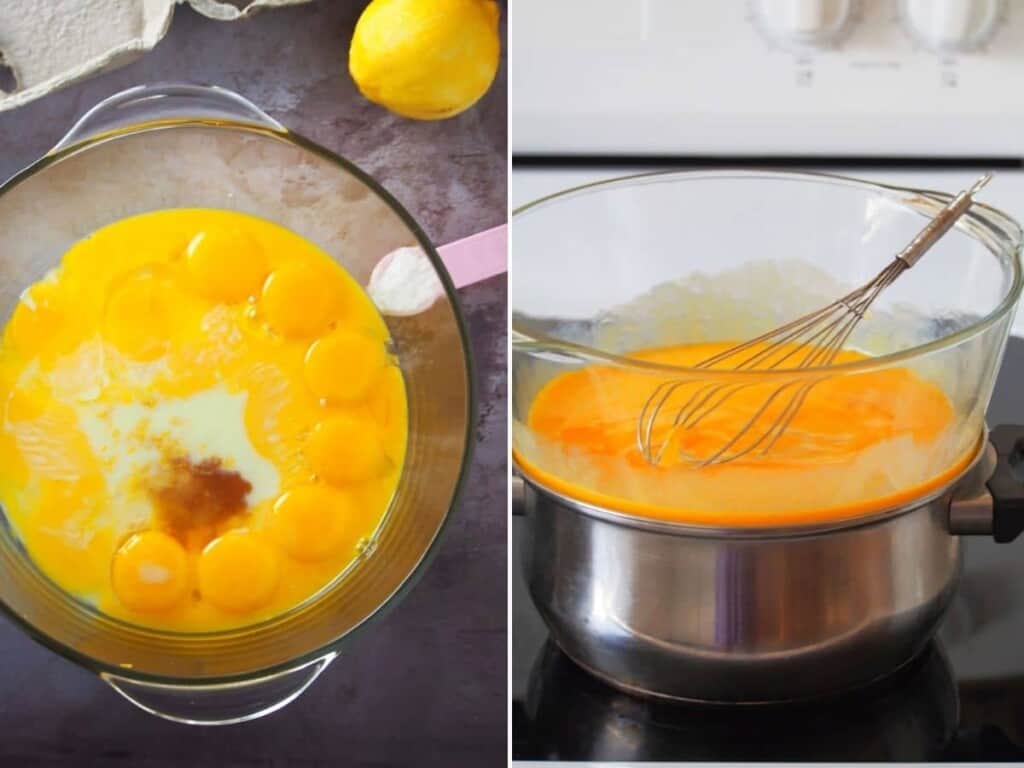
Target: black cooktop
(962, 699)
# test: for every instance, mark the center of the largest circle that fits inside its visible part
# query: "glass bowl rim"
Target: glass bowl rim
(411, 578)
(985, 215)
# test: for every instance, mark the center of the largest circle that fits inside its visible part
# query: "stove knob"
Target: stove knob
(814, 23)
(946, 26)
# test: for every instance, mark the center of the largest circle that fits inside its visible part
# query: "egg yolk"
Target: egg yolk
(343, 365)
(382, 402)
(297, 301)
(345, 449)
(226, 265)
(150, 572)
(238, 572)
(310, 522)
(140, 317)
(37, 319)
(200, 421)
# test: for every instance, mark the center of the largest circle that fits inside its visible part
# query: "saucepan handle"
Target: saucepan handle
(517, 490)
(997, 507)
(1007, 482)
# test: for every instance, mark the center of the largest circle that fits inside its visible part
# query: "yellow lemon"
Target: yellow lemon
(426, 59)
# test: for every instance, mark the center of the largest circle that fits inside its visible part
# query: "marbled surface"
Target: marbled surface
(427, 685)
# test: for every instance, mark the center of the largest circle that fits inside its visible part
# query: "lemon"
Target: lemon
(425, 59)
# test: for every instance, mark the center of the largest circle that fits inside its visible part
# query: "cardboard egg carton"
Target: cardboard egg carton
(45, 46)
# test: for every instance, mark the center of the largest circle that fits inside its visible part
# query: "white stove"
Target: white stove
(921, 93)
(899, 78)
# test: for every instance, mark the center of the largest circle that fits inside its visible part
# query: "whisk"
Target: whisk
(810, 341)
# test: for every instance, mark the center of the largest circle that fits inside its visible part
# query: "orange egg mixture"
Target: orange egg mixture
(858, 443)
(201, 424)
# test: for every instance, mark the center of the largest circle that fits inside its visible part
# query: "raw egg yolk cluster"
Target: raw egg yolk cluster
(202, 423)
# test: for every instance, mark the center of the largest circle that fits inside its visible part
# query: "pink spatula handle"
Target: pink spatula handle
(476, 257)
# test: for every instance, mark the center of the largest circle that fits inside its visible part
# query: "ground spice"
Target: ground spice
(194, 499)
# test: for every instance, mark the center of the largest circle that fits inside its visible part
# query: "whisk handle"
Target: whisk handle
(941, 224)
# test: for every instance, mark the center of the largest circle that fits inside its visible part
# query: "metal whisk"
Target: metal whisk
(811, 341)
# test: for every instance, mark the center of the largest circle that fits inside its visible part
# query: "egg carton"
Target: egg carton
(45, 46)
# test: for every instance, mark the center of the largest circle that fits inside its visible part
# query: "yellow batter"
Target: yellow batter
(201, 425)
(858, 443)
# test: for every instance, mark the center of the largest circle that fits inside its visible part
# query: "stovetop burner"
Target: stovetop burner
(962, 699)
(911, 716)
(570, 715)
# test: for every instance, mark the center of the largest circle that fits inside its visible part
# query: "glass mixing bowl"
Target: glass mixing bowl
(650, 261)
(192, 146)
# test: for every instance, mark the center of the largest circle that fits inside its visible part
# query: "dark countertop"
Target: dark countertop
(427, 686)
